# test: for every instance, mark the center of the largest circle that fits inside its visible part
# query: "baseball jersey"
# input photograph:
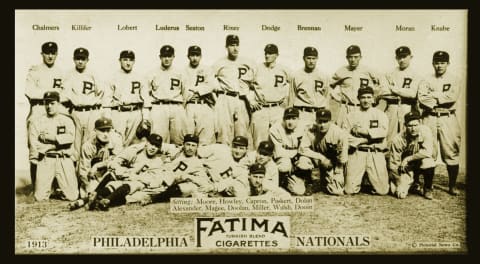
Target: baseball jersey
(403, 146)
(406, 80)
(200, 80)
(60, 127)
(286, 144)
(234, 76)
(310, 89)
(271, 169)
(166, 84)
(361, 76)
(374, 121)
(127, 88)
(272, 83)
(41, 79)
(183, 167)
(333, 145)
(447, 86)
(82, 88)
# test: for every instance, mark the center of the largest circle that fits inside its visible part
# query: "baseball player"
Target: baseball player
(264, 156)
(259, 185)
(40, 79)
(51, 136)
(399, 91)
(310, 89)
(349, 79)
(411, 155)
(368, 130)
(125, 98)
(324, 145)
(199, 85)
(438, 95)
(272, 85)
(167, 91)
(82, 89)
(235, 77)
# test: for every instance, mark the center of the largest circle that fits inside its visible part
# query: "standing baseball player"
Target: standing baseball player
(51, 136)
(82, 89)
(167, 91)
(235, 77)
(368, 130)
(272, 85)
(438, 95)
(411, 155)
(126, 96)
(199, 85)
(310, 89)
(40, 79)
(349, 79)
(400, 92)
(324, 145)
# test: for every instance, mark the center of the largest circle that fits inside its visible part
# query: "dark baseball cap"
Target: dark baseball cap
(128, 54)
(291, 112)
(80, 53)
(51, 96)
(257, 169)
(194, 50)
(353, 49)
(441, 56)
(411, 116)
(240, 141)
(103, 122)
(365, 90)
(155, 139)
(265, 148)
(167, 51)
(49, 48)
(190, 138)
(402, 51)
(271, 49)
(323, 115)
(232, 39)
(310, 51)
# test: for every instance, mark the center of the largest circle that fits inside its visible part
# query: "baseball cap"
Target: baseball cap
(127, 54)
(240, 141)
(51, 96)
(49, 47)
(155, 139)
(167, 51)
(265, 148)
(271, 49)
(80, 53)
(411, 116)
(103, 122)
(194, 50)
(232, 39)
(441, 56)
(365, 90)
(323, 115)
(291, 112)
(257, 169)
(310, 51)
(402, 51)
(190, 138)
(353, 49)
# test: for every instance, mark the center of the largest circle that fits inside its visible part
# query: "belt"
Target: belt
(159, 102)
(308, 108)
(234, 94)
(199, 101)
(85, 108)
(408, 101)
(271, 104)
(125, 108)
(444, 112)
(349, 103)
(56, 155)
(34, 102)
(370, 149)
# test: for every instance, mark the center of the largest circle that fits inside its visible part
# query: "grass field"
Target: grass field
(392, 224)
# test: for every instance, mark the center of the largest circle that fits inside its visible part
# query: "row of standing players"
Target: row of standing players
(241, 100)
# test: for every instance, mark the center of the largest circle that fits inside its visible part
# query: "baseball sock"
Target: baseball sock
(117, 197)
(172, 191)
(452, 175)
(428, 178)
(104, 192)
(33, 173)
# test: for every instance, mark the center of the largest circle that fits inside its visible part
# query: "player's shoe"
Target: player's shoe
(103, 204)
(76, 204)
(146, 200)
(308, 190)
(453, 191)
(428, 194)
(416, 189)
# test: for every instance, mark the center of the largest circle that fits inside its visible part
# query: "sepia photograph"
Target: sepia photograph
(248, 131)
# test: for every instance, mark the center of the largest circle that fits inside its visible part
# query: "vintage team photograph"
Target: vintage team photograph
(240, 131)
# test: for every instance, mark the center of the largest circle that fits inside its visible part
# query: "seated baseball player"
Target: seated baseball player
(263, 156)
(411, 155)
(51, 137)
(259, 184)
(324, 145)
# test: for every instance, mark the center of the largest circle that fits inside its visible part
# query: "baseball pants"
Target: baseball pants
(170, 122)
(84, 127)
(371, 162)
(126, 123)
(396, 114)
(202, 118)
(447, 130)
(343, 111)
(334, 179)
(262, 120)
(60, 168)
(232, 118)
